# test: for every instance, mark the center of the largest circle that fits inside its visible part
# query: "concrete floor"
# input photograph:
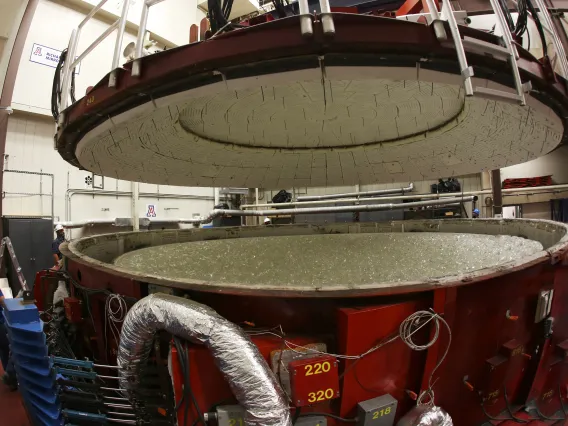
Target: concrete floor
(12, 412)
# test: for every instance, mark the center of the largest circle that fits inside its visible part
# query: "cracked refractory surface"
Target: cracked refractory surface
(299, 135)
(310, 262)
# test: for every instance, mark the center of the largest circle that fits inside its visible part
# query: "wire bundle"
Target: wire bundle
(411, 326)
(407, 329)
(183, 358)
(524, 7)
(56, 88)
(115, 312)
(219, 14)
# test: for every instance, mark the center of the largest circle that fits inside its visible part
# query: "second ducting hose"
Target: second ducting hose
(251, 380)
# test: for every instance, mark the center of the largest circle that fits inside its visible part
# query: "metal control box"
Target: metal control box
(230, 415)
(378, 411)
(314, 380)
(311, 421)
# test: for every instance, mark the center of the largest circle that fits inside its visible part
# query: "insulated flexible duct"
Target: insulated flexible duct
(252, 382)
(426, 415)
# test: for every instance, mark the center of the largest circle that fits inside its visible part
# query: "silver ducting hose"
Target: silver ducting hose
(426, 415)
(252, 382)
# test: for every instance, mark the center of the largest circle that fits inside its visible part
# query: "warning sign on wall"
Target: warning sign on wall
(151, 210)
(47, 56)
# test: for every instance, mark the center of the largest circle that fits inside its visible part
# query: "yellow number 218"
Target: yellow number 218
(383, 412)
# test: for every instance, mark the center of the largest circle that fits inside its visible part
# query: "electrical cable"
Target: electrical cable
(297, 415)
(114, 316)
(408, 328)
(564, 409)
(331, 416)
(539, 28)
(507, 14)
(510, 410)
(184, 364)
(542, 416)
(56, 87)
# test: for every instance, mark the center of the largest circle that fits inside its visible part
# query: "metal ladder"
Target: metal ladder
(507, 52)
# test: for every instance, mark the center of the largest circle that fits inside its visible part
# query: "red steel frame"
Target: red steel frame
(476, 313)
(483, 315)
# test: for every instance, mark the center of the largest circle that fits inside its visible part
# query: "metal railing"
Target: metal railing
(120, 25)
(69, 67)
(506, 51)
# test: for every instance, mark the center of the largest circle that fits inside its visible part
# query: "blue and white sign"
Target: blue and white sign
(47, 56)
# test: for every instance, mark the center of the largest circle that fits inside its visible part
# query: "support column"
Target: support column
(7, 89)
(135, 197)
(497, 193)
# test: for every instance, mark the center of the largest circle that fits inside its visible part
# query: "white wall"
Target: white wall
(29, 147)
(536, 211)
(553, 164)
(52, 26)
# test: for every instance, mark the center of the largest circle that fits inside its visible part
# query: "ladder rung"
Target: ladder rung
(498, 95)
(485, 48)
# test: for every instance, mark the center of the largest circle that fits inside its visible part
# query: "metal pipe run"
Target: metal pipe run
(50, 175)
(506, 193)
(333, 209)
(379, 192)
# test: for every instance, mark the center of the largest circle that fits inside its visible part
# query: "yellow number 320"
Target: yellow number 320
(321, 395)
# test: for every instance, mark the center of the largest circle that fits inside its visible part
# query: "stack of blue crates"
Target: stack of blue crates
(32, 364)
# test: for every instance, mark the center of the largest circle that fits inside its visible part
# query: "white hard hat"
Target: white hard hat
(267, 220)
(58, 227)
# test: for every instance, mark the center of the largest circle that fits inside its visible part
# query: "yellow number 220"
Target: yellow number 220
(317, 368)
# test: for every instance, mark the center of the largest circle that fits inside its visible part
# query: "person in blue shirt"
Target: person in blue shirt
(9, 377)
(57, 256)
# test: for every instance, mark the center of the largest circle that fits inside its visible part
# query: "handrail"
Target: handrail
(71, 63)
(560, 52)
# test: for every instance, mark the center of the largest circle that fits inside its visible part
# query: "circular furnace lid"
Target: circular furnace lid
(334, 119)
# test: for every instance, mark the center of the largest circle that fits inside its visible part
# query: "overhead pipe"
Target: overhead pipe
(276, 212)
(506, 193)
(357, 194)
(333, 209)
(253, 383)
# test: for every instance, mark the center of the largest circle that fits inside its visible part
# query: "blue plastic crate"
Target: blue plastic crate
(17, 312)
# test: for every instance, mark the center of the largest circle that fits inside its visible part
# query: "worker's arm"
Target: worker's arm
(55, 252)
